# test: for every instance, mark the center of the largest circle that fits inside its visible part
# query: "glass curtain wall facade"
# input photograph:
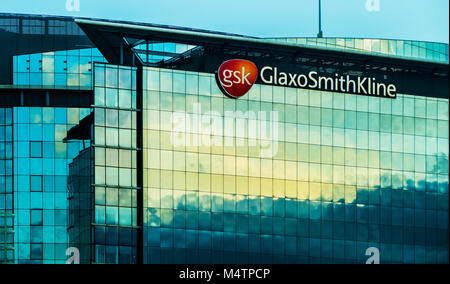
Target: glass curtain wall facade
(6, 157)
(115, 165)
(6, 238)
(432, 51)
(350, 172)
(6, 188)
(42, 53)
(41, 159)
(67, 68)
(80, 204)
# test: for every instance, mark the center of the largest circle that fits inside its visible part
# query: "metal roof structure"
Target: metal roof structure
(117, 41)
(110, 37)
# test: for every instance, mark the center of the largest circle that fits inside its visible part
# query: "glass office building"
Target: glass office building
(351, 172)
(38, 78)
(118, 141)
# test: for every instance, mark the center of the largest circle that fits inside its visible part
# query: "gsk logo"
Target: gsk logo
(236, 77)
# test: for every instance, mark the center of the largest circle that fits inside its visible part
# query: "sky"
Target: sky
(426, 20)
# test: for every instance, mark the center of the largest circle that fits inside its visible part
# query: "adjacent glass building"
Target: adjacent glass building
(116, 140)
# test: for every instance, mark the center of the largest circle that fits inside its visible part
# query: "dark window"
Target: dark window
(36, 217)
(36, 149)
(36, 183)
(36, 251)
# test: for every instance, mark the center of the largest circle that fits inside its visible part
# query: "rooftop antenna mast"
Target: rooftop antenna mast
(320, 34)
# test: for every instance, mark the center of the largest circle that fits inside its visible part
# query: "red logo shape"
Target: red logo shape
(237, 77)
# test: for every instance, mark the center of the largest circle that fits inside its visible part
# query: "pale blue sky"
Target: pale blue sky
(426, 20)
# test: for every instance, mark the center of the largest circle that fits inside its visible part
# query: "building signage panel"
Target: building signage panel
(236, 77)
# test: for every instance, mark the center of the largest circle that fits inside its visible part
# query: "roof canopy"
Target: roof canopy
(124, 44)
